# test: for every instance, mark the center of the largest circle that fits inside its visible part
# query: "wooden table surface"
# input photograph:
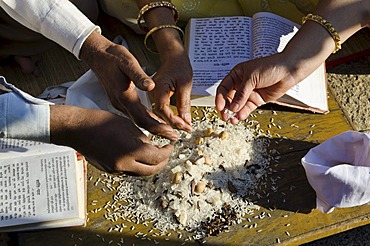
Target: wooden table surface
(292, 204)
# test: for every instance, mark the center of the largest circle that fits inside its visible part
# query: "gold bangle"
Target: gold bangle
(156, 28)
(153, 5)
(328, 26)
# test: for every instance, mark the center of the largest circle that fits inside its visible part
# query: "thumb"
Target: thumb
(137, 75)
(143, 82)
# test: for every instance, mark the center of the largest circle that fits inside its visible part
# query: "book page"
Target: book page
(34, 186)
(216, 45)
(271, 33)
(312, 91)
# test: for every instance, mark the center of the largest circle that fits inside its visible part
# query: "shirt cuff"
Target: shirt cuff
(69, 30)
(23, 116)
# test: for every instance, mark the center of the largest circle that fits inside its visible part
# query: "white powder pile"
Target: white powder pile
(213, 170)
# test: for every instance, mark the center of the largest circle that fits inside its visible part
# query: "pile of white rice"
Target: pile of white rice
(238, 164)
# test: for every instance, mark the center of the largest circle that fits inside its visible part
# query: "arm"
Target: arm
(174, 76)
(254, 83)
(108, 141)
(62, 22)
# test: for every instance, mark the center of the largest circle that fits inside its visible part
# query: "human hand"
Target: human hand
(111, 142)
(174, 77)
(119, 72)
(251, 84)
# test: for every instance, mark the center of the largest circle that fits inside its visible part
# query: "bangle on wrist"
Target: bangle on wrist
(156, 28)
(328, 26)
(151, 6)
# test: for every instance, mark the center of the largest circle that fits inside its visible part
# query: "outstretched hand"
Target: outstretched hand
(174, 77)
(112, 143)
(119, 72)
(251, 84)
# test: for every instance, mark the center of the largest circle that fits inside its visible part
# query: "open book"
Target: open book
(216, 45)
(41, 186)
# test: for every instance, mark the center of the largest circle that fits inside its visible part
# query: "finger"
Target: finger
(176, 121)
(226, 114)
(153, 154)
(255, 101)
(163, 109)
(144, 119)
(245, 111)
(223, 90)
(234, 120)
(131, 67)
(183, 105)
(160, 129)
(157, 118)
(241, 96)
(154, 159)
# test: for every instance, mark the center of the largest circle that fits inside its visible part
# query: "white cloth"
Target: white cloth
(87, 92)
(57, 20)
(23, 116)
(339, 171)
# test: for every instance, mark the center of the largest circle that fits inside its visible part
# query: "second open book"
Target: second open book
(216, 45)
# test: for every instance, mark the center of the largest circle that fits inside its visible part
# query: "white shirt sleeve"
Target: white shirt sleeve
(58, 20)
(23, 116)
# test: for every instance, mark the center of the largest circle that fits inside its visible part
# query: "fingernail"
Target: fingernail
(188, 128)
(147, 83)
(174, 135)
(187, 117)
(234, 107)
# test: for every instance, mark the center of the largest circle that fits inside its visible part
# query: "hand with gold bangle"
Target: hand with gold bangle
(174, 76)
(253, 83)
(152, 5)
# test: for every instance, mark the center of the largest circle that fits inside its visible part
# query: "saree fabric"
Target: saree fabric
(127, 10)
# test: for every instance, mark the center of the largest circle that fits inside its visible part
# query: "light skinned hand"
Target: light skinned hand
(251, 84)
(174, 77)
(119, 72)
(111, 142)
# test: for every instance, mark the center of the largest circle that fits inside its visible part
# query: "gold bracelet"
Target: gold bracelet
(328, 26)
(153, 5)
(156, 28)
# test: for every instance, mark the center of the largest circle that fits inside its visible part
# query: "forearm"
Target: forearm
(313, 44)
(66, 123)
(57, 20)
(167, 39)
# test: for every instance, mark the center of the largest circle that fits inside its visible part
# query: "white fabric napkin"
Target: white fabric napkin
(339, 171)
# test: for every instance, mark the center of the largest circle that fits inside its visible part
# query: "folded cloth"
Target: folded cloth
(339, 171)
(56, 93)
(87, 91)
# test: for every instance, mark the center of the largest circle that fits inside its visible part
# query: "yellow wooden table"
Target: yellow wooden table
(294, 219)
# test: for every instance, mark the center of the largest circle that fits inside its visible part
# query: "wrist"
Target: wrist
(65, 124)
(168, 40)
(93, 45)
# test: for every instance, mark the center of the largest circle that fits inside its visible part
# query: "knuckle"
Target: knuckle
(241, 94)
(119, 167)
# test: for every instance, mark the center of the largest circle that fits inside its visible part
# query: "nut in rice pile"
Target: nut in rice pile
(212, 174)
